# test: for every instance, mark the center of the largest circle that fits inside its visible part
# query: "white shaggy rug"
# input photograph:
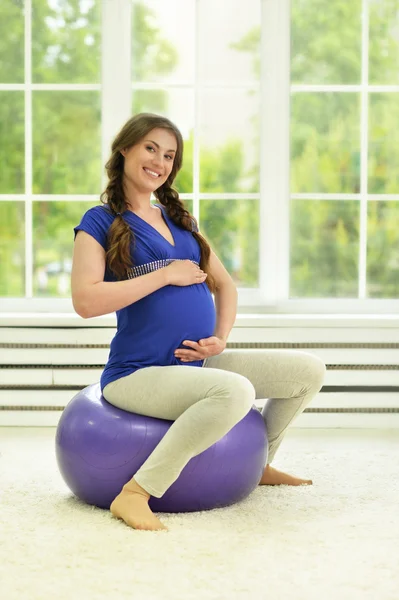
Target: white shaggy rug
(338, 539)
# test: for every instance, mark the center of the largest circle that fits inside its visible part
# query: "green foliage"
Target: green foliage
(384, 42)
(236, 243)
(384, 143)
(12, 249)
(230, 226)
(152, 55)
(12, 146)
(66, 41)
(325, 145)
(325, 149)
(66, 143)
(324, 241)
(383, 250)
(326, 41)
(12, 42)
(52, 224)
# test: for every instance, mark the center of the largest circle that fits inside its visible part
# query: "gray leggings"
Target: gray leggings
(205, 403)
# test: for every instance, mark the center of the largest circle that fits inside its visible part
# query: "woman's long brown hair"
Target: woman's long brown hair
(120, 235)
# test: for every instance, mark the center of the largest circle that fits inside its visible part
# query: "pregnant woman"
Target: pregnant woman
(151, 265)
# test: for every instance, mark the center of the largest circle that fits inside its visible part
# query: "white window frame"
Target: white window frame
(274, 96)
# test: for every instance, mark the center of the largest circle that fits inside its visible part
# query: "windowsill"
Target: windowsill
(18, 319)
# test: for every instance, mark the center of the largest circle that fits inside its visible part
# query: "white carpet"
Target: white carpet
(338, 539)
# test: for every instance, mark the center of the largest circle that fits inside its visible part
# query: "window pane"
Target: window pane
(324, 249)
(53, 224)
(325, 143)
(229, 141)
(178, 106)
(12, 143)
(229, 40)
(66, 39)
(66, 143)
(384, 42)
(232, 229)
(163, 37)
(12, 32)
(383, 143)
(12, 249)
(325, 41)
(383, 250)
(188, 205)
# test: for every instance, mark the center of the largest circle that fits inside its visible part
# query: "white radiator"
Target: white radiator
(42, 368)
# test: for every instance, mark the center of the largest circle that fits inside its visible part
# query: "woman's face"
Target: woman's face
(149, 162)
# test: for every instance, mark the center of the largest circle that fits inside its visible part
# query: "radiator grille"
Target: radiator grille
(379, 410)
(243, 345)
(334, 367)
(231, 345)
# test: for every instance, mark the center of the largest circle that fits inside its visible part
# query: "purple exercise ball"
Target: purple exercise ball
(100, 447)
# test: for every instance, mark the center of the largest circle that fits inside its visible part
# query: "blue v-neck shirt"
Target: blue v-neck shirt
(151, 329)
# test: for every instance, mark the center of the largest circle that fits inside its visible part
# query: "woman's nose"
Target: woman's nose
(158, 159)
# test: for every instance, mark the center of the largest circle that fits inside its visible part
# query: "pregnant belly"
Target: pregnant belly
(160, 322)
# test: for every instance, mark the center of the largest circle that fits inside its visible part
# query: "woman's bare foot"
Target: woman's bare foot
(273, 477)
(131, 505)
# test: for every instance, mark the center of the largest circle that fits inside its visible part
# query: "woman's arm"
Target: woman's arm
(226, 310)
(91, 296)
(226, 297)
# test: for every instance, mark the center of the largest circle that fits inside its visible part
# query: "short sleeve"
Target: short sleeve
(96, 222)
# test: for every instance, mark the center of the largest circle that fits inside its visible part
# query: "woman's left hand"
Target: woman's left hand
(200, 350)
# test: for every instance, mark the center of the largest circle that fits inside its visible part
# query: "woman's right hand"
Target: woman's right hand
(184, 272)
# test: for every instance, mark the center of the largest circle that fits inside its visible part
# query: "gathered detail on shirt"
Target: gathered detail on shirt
(152, 266)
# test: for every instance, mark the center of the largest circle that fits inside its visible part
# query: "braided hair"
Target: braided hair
(120, 235)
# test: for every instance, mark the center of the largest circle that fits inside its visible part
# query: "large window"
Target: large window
(50, 118)
(344, 212)
(288, 113)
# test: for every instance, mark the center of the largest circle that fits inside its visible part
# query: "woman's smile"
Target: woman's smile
(152, 174)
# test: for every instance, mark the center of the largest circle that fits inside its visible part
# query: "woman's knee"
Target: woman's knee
(317, 370)
(239, 393)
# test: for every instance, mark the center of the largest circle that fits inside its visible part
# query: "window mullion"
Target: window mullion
(274, 150)
(116, 97)
(28, 153)
(363, 153)
(196, 133)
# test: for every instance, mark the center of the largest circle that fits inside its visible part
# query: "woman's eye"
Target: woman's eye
(168, 156)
